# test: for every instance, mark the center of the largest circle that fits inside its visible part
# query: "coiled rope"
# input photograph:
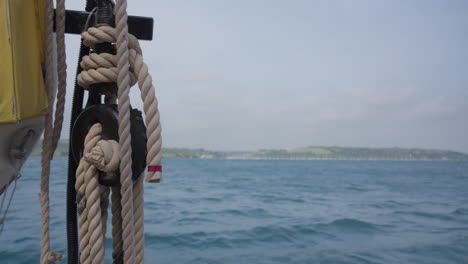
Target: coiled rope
(92, 198)
(126, 68)
(102, 68)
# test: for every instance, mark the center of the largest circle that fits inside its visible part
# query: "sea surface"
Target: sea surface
(246, 211)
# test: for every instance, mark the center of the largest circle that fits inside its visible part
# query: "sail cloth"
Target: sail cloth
(22, 92)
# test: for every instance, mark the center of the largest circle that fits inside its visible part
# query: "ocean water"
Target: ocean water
(234, 211)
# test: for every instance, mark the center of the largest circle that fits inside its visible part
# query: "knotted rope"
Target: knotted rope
(98, 68)
(126, 68)
(93, 198)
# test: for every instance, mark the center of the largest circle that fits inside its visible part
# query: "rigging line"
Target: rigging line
(2, 219)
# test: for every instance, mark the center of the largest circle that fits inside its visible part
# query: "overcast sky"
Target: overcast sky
(244, 74)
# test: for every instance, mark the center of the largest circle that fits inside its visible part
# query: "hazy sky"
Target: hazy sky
(244, 74)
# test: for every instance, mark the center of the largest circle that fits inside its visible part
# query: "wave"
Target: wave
(212, 199)
(356, 187)
(253, 213)
(351, 225)
(460, 211)
(439, 216)
(389, 204)
(275, 234)
(239, 238)
(194, 220)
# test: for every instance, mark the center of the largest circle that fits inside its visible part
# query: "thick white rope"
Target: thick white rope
(83, 209)
(152, 118)
(123, 85)
(125, 68)
(52, 132)
(102, 67)
(92, 198)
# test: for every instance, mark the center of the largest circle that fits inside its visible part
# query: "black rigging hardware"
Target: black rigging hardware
(141, 28)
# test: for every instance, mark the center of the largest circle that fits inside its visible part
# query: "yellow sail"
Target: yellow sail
(22, 93)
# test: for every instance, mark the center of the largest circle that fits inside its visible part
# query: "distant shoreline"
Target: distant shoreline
(335, 159)
(285, 159)
(305, 153)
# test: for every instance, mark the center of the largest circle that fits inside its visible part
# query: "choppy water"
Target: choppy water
(226, 211)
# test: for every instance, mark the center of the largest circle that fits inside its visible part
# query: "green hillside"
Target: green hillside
(313, 152)
(359, 153)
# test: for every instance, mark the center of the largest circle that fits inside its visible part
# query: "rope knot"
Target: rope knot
(102, 67)
(52, 256)
(154, 177)
(42, 197)
(104, 156)
(102, 34)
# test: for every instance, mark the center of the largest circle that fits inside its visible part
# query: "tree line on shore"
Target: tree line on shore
(312, 152)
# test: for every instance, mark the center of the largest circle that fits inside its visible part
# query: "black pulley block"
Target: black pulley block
(107, 115)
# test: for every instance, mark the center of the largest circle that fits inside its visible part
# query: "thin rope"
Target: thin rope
(61, 72)
(52, 131)
(2, 219)
(3, 198)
